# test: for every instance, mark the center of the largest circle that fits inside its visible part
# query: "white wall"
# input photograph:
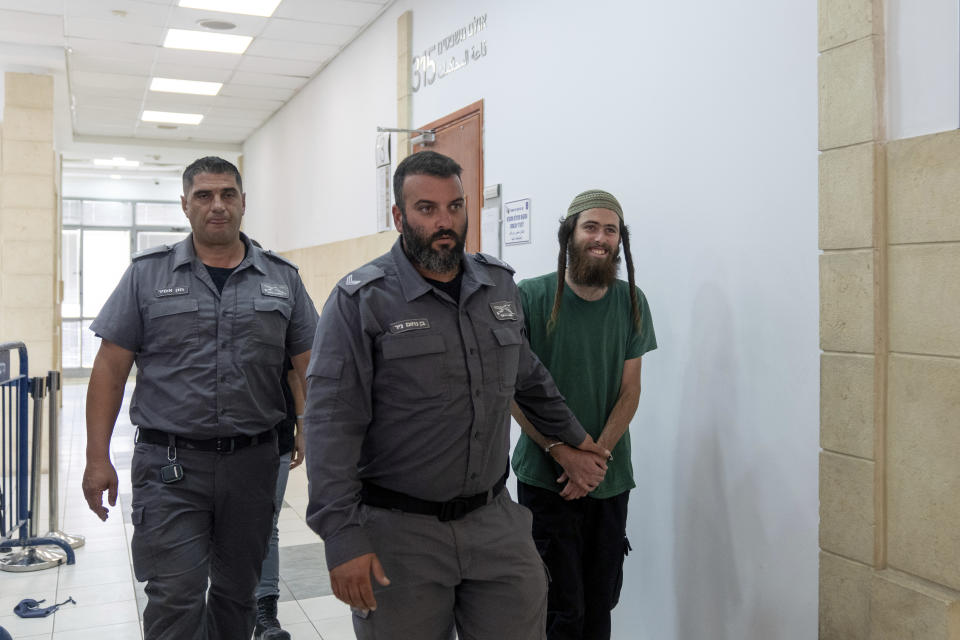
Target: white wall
(701, 118)
(923, 67)
(309, 174)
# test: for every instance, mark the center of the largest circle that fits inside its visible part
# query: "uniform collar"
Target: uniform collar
(184, 253)
(414, 285)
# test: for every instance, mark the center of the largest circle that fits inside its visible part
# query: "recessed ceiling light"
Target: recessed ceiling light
(203, 41)
(263, 8)
(115, 162)
(216, 25)
(169, 116)
(196, 87)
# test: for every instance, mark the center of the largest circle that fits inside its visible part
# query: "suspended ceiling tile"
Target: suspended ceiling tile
(107, 80)
(219, 112)
(185, 58)
(178, 102)
(104, 49)
(257, 64)
(130, 103)
(112, 130)
(181, 72)
(236, 102)
(129, 66)
(330, 11)
(114, 31)
(268, 80)
(251, 91)
(292, 50)
(130, 12)
(94, 93)
(50, 7)
(20, 27)
(309, 32)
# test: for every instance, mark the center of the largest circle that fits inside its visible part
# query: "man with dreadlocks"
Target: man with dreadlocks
(590, 330)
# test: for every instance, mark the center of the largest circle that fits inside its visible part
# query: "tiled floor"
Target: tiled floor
(109, 599)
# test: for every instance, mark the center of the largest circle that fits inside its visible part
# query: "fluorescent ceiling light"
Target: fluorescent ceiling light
(203, 41)
(168, 116)
(170, 85)
(116, 176)
(115, 162)
(263, 8)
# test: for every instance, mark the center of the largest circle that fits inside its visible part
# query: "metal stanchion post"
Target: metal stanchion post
(35, 557)
(75, 541)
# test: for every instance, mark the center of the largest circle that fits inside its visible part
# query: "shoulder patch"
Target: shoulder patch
(279, 258)
(163, 248)
(484, 258)
(361, 277)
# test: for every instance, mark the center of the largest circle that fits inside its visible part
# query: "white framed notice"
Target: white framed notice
(516, 222)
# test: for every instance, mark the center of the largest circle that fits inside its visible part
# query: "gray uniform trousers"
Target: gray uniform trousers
(481, 574)
(214, 523)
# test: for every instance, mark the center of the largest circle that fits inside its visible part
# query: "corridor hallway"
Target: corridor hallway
(109, 599)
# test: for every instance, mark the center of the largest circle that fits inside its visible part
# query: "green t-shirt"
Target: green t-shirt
(584, 353)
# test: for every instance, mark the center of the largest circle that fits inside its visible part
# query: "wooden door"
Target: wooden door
(460, 136)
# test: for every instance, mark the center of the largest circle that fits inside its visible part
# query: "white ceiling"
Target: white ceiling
(110, 50)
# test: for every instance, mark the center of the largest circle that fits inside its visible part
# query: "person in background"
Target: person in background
(290, 446)
(590, 330)
(208, 321)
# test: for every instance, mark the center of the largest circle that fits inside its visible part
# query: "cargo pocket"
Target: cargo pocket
(415, 364)
(266, 330)
(172, 324)
(141, 547)
(509, 340)
(615, 595)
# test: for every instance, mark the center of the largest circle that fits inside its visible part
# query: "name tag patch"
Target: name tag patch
(409, 325)
(275, 290)
(171, 291)
(504, 310)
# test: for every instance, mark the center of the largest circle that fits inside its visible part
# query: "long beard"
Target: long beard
(420, 250)
(590, 272)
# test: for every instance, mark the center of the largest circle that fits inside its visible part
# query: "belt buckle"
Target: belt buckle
(220, 442)
(453, 510)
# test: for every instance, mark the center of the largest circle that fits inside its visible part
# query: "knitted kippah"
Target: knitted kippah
(594, 199)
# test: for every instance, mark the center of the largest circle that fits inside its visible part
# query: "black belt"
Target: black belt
(219, 445)
(377, 496)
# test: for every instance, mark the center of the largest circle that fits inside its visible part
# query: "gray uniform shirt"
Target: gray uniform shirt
(411, 391)
(208, 363)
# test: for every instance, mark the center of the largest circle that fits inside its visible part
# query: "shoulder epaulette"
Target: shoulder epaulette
(280, 258)
(163, 248)
(484, 258)
(358, 278)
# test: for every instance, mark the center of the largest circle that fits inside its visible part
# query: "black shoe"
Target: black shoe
(268, 627)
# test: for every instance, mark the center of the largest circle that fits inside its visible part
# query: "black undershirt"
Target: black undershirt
(451, 288)
(219, 275)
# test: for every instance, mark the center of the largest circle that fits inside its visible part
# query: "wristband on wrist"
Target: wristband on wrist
(547, 448)
(299, 416)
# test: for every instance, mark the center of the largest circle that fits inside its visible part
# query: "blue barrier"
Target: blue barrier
(13, 425)
(16, 516)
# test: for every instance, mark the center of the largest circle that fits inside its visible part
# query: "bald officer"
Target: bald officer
(416, 359)
(207, 321)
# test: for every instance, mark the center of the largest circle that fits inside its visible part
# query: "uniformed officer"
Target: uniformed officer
(416, 358)
(208, 321)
